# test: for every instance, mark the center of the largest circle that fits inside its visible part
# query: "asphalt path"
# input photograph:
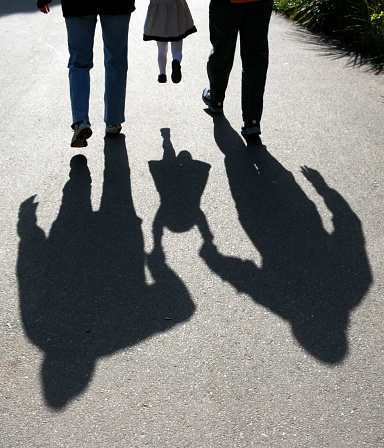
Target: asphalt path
(229, 294)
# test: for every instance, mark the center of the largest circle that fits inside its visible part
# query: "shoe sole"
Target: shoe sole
(81, 140)
(176, 71)
(215, 110)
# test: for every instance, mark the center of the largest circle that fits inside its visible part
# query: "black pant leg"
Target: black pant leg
(224, 24)
(254, 54)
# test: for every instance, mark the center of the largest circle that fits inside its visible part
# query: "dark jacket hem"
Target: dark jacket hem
(170, 39)
(41, 3)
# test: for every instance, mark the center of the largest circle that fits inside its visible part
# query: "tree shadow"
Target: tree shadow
(8, 7)
(309, 277)
(335, 48)
(83, 293)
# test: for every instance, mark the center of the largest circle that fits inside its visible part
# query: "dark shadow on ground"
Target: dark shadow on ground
(308, 277)
(18, 6)
(180, 181)
(83, 293)
(334, 48)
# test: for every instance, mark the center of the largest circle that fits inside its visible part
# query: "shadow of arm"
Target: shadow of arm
(244, 275)
(30, 266)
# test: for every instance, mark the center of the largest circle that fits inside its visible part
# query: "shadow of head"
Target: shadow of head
(65, 376)
(184, 156)
(325, 339)
(79, 169)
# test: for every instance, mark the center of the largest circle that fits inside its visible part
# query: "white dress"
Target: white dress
(168, 20)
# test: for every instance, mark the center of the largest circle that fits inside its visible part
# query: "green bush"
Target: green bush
(360, 22)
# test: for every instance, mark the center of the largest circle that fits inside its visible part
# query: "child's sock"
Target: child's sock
(177, 50)
(162, 48)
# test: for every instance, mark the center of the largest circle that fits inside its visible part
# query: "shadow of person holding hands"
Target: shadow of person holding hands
(309, 277)
(83, 293)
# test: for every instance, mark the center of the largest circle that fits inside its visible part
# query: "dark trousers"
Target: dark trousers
(250, 21)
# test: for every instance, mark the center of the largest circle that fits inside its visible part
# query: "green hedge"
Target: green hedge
(360, 22)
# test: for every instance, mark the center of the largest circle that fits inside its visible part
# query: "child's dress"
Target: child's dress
(168, 21)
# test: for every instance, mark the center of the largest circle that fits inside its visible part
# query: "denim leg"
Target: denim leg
(224, 24)
(254, 55)
(81, 32)
(115, 36)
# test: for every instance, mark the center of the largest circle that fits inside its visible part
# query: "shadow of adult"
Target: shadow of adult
(309, 277)
(180, 181)
(17, 6)
(83, 293)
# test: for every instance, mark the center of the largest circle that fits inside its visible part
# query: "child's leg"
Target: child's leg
(177, 55)
(177, 50)
(162, 48)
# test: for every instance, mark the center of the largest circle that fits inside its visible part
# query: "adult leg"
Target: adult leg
(254, 54)
(115, 36)
(81, 32)
(224, 24)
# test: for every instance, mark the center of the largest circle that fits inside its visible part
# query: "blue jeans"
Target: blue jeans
(81, 33)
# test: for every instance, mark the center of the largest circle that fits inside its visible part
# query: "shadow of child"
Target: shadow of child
(180, 181)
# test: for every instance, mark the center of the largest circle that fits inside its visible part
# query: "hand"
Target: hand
(208, 249)
(156, 258)
(165, 133)
(45, 9)
(314, 177)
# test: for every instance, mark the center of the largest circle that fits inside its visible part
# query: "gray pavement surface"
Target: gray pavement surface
(269, 337)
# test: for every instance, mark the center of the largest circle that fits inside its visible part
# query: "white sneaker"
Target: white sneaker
(113, 128)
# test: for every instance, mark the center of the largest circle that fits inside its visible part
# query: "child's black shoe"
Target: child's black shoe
(162, 79)
(176, 71)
